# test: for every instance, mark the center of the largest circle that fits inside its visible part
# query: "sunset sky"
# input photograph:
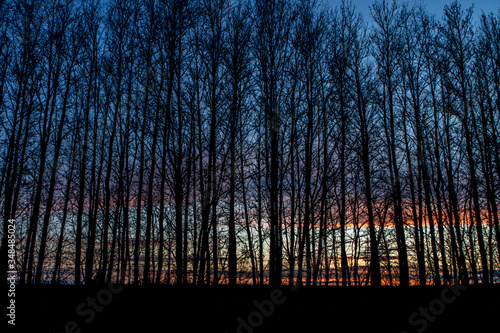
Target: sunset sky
(206, 142)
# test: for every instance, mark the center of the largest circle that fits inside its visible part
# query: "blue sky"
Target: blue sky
(433, 6)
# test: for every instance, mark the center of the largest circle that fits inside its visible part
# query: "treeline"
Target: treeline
(224, 141)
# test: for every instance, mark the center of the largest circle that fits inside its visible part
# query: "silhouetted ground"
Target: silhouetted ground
(247, 309)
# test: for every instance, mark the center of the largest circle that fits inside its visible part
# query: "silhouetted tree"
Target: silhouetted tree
(224, 141)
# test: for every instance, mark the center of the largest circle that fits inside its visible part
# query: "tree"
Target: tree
(361, 91)
(67, 50)
(387, 52)
(458, 44)
(219, 141)
(272, 29)
(238, 69)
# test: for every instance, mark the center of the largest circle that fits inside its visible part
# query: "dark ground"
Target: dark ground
(225, 309)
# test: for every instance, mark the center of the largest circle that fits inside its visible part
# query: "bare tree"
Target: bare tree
(238, 68)
(220, 141)
(272, 29)
(458, 44)
(362, 93)
(387, 52)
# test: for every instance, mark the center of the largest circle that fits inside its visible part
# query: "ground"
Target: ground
(247, 309)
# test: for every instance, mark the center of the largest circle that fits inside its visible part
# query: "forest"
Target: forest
(264, 142)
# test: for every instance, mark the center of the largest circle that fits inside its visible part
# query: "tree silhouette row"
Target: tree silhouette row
(264, 142)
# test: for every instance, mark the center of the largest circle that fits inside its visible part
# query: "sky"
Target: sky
(433, 6)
